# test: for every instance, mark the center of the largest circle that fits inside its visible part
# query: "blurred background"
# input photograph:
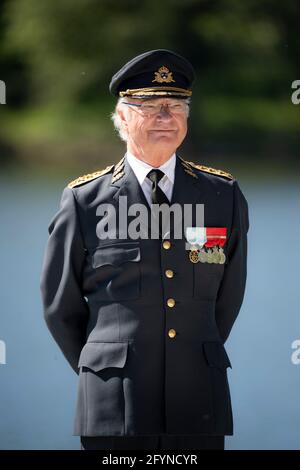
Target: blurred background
(56, 60)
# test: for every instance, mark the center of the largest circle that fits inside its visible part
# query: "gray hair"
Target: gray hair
(117, 121)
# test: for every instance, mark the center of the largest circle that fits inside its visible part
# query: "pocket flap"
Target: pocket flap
(116, 254)
(216, 354)
(98, 356)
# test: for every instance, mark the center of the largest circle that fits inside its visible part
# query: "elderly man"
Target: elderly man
(143, 319)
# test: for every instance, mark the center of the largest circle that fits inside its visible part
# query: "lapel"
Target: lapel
(188, 189)
(127, 184)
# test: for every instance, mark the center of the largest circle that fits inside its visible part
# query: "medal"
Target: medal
(222, 256)
(196, 237)
(216, 239)
(202, 255)
(205, 244)
(193, 255)
(209, 256)
(216, 255)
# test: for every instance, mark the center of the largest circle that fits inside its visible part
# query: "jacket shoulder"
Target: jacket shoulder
(213, 171)
(90, 176)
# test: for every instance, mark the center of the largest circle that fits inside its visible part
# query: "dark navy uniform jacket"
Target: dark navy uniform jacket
(106, 303)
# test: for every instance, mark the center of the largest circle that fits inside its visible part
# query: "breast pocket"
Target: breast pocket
(117, 270)
(207, 280)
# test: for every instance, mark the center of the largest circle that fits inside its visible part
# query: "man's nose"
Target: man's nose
(164, 112)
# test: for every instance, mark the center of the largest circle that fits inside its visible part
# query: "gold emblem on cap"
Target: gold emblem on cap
(163, 75)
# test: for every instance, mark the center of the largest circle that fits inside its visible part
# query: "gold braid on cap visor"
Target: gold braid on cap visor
(158, 90)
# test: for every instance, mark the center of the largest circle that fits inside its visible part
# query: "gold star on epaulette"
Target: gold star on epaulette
(213, 171)
(89, 176)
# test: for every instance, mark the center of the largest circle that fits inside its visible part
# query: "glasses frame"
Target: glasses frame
(141, 105)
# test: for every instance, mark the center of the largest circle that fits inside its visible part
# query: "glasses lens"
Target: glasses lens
(149, 108)
(178, 107)
(174, 108)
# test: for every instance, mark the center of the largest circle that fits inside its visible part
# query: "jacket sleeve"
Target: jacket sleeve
(65, 308)
(231, 292)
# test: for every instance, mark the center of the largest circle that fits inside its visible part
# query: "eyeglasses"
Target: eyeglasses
(151, 109)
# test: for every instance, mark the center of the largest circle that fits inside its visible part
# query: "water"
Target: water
(38, 388)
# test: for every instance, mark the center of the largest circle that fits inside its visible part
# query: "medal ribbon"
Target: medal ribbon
(215, 236)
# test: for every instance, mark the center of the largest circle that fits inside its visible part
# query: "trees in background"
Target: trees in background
(57, 58)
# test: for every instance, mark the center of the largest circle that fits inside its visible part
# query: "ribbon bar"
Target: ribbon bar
(215, 236)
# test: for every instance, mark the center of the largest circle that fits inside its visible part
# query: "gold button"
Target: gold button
(172, 333)
(167, 245)
(169, 273)
(170, 302)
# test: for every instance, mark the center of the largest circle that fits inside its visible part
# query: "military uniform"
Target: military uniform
(148, 346)
(142, 324)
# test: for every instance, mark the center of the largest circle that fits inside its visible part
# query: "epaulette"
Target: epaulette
(90, 176)
(213, 171)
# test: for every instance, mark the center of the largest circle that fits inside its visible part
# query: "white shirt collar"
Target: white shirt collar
(141, 168)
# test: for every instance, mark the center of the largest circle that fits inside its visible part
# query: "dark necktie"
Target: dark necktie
(158, 196)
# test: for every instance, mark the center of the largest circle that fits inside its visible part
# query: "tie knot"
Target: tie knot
(155, 175)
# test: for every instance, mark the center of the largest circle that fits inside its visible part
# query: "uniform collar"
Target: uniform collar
(141, 168)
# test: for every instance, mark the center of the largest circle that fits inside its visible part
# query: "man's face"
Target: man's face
(165, 128)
